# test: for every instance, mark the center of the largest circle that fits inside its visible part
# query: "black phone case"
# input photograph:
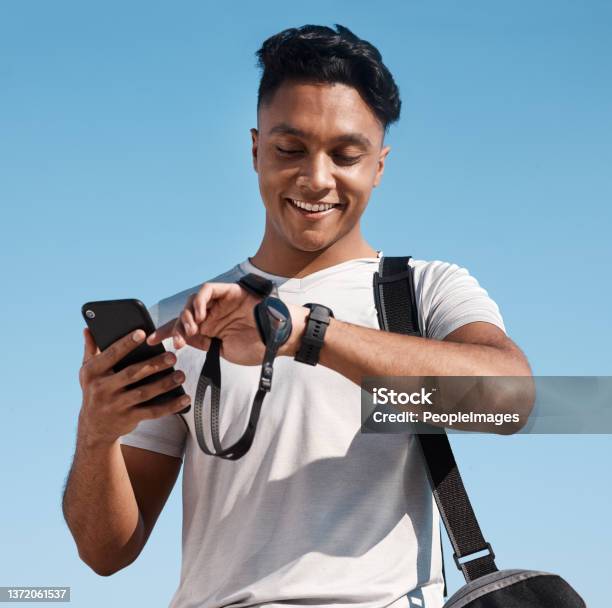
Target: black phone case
(109, 320)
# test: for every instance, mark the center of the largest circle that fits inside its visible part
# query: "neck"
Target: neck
(278, 257)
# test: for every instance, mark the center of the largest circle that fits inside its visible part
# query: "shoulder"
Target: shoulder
(172, 306)
(449, 296)
(438, 277)
(432, 271)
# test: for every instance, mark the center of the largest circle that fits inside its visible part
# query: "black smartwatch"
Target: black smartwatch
(312, 340)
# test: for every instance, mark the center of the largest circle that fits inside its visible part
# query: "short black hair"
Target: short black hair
(319, 54)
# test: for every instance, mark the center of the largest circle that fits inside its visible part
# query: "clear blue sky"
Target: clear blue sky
(125, 172)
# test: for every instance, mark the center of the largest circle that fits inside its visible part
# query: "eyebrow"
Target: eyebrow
(347, 138)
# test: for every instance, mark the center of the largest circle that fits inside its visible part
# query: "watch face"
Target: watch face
(318, 312)
(312, 306)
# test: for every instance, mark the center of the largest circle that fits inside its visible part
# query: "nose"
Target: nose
(316, 175)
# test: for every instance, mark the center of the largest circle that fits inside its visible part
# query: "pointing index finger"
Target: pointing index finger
(209, 292)
(161, 333)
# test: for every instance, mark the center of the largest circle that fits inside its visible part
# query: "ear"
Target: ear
(381, 165)
(254, 135)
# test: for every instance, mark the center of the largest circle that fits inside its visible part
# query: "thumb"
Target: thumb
(91, 348)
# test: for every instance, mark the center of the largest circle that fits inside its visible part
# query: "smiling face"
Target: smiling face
(317, 144)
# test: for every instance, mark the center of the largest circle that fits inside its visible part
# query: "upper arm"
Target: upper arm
(152, 476)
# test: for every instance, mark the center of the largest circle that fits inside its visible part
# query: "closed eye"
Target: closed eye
(340, 157)
(283, 151)
(349, 160)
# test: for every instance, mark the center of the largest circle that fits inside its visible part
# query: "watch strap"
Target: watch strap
(314, 334)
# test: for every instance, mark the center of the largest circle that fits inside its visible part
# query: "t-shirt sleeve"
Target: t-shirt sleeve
(451, 297)
(167, 434)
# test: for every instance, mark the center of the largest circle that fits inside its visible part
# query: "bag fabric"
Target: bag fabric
(516, 589)
(487, 587)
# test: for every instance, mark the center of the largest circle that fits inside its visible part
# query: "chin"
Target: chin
(310, 245)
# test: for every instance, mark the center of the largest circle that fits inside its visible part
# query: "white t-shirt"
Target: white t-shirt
(317, 512)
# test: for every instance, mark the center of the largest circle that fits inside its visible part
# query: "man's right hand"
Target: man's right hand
(109, 410)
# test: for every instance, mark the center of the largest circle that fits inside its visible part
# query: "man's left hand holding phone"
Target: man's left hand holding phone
(124, 379)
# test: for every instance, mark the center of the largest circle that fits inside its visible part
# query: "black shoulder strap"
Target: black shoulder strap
(395, 299)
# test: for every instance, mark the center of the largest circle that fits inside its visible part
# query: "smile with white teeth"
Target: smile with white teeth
(312, 207)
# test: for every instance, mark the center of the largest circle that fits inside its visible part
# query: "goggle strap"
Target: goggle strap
(211, 376)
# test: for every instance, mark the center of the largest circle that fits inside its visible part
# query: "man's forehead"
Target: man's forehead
(329, 112)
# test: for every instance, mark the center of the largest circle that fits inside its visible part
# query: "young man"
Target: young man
(316, 513)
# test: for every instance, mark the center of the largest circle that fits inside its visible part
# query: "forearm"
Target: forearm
(100, 508)
(357, 352)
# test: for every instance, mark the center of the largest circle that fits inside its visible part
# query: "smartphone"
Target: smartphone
(109, 320)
